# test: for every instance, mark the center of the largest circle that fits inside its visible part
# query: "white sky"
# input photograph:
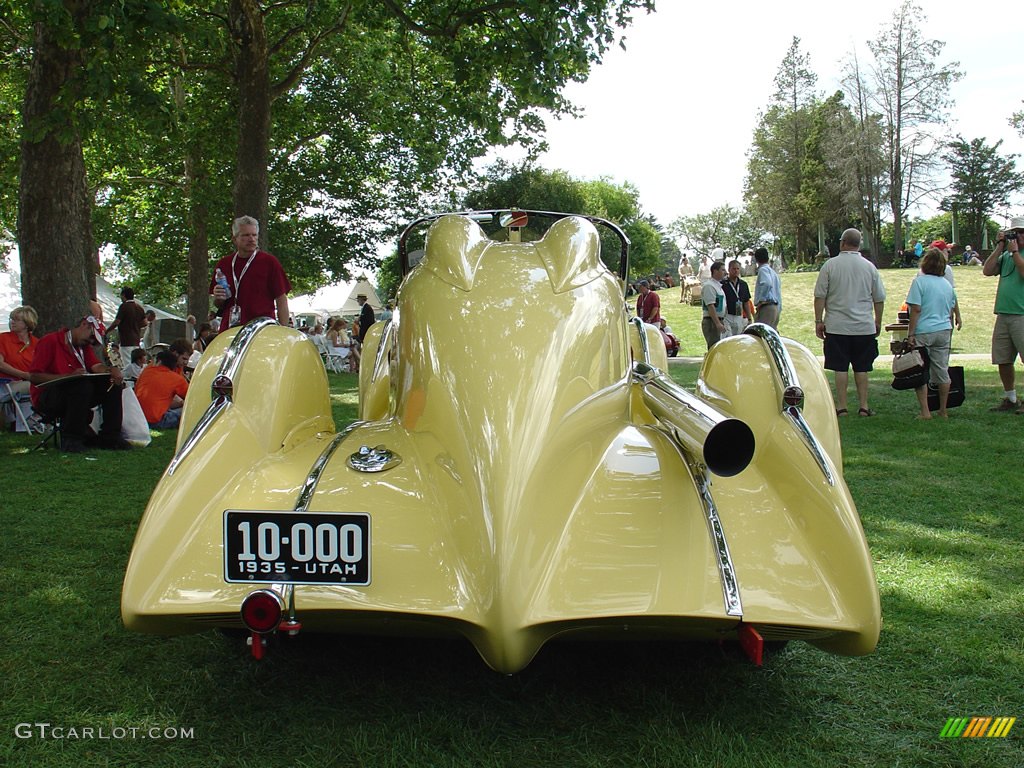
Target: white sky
(674, 114)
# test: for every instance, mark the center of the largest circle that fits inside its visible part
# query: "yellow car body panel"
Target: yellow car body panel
(546, 483)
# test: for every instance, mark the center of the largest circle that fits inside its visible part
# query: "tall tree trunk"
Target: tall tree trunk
(198, 241)
(54, 229)
(252, 76)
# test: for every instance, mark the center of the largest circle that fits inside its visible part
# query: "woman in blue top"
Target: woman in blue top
(931, 300)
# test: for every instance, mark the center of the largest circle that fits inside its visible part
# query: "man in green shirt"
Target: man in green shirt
(1007, 261)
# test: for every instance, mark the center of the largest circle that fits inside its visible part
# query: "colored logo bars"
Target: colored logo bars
(974, 727)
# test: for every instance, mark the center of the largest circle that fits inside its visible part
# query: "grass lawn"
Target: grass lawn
(975, 292)
(942, 510)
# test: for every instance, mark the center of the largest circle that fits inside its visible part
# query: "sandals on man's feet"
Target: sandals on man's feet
(841, 411)
(865, 412)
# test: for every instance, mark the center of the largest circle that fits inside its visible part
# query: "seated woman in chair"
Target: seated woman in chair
(341, 341)
(17, 349)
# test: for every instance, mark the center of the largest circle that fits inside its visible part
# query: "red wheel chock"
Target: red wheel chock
(752, 643)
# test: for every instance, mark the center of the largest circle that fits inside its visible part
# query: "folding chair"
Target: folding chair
(54, 434)
(23, 414)
(332, 362)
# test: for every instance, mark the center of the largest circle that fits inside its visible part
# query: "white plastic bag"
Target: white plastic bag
(134, 428)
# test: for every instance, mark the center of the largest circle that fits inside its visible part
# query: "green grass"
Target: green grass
(975, 292)
(940, 504)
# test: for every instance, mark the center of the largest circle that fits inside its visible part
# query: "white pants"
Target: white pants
(734, 325)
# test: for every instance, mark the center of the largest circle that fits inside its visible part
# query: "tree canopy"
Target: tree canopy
(983, 182)
(527, 186)
(329, 120)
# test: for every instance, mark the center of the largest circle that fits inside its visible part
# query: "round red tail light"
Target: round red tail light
(261, 611)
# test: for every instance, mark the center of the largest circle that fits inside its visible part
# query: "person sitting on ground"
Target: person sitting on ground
(140, 359)
(971, 258)
(67, 354)
(203, 337)
(182, 350)
(161, 391)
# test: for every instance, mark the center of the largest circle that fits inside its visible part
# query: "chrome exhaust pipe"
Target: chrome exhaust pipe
(721, 443)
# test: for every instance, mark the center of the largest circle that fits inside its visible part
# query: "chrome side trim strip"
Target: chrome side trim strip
(240, 345)
(787, 374)
(778, 352)
(228, 367)
(381, 358)
(726, 569)
(644, 375)
(643, 340)
(310, 483)
(804, 430)
(214, 410)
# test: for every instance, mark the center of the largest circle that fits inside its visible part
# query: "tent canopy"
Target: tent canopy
(106, 294)
(337, 299)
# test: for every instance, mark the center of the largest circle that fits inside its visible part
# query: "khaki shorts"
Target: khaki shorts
(1008, 339)
(937, 344)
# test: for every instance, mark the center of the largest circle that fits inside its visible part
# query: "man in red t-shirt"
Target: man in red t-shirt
(249, 283)
(648, 304)
(161, 391)
(61, 388)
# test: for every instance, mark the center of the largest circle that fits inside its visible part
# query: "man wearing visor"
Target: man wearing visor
(68, 380)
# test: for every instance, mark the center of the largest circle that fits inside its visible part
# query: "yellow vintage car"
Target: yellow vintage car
(522, 469)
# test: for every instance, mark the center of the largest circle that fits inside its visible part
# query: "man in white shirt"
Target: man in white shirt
(848, 301)
(712, 323)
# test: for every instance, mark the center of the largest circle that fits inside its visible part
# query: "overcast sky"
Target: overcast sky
(674, 114)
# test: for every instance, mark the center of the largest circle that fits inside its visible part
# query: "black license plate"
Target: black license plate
(297, 547)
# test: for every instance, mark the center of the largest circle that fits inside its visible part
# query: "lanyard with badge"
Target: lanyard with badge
(74, 350)
(235, 316)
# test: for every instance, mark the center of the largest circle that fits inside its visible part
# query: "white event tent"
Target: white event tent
(337, 299)
(106, 294)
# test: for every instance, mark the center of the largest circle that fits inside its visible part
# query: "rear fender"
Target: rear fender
(279, 387)
(375, 371)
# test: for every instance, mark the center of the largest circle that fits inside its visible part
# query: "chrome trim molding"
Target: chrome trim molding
(381, 358)
(778, 352)
(692, 453)
(644, 347)
(240, 345)
(214, 410)
(804, 430)
(228, 367)
(787, 374)
(726, 569)
(310, 483)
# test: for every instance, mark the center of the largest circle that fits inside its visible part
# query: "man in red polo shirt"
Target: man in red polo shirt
(60, 387)
(648, 304)
(249, 283)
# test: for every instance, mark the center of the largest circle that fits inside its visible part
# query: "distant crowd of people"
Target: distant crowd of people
(849, 299)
